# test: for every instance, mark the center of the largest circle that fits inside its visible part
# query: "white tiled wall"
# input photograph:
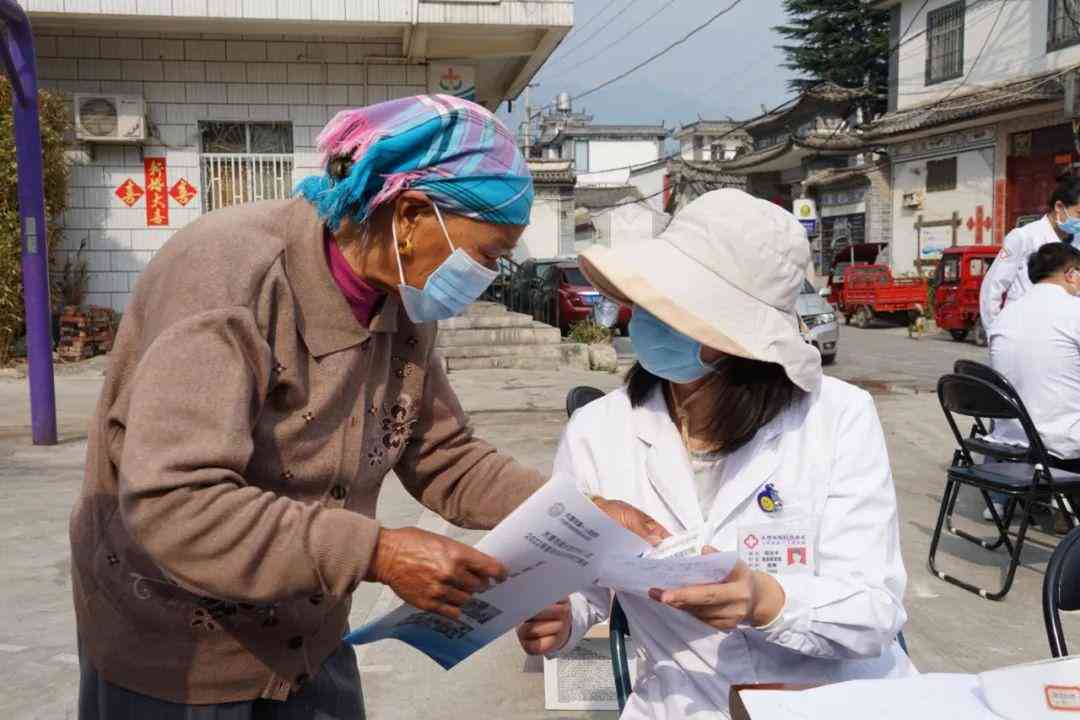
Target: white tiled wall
(185, 79)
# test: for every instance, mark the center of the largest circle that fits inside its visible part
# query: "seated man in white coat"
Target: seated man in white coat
(1035, 344)
(728, 432)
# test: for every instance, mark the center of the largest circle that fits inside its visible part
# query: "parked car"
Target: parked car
(820, 319)
(567, 298)
(956, 290)
(525, 284)
(865, 291)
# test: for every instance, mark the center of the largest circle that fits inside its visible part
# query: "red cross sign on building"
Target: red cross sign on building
(980, 223)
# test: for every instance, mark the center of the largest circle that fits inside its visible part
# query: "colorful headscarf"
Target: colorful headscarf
(454, 150)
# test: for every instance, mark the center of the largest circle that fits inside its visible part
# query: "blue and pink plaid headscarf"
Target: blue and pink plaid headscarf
(454, 150)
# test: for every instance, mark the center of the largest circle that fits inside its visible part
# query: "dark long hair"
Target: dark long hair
(754, 392)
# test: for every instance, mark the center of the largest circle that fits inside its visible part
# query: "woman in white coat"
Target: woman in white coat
(727, 434)
(1007, 279)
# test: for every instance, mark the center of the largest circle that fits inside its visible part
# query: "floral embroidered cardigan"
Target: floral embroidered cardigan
(242, 436)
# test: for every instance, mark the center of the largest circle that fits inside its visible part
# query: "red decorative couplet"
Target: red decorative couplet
(157, 193)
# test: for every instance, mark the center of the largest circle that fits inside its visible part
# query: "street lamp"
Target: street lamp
(17, 53)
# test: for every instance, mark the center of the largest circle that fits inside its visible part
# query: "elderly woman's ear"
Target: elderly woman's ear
(410, 209)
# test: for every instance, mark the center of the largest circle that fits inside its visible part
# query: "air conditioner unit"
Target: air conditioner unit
(914, 199)
(110, 118)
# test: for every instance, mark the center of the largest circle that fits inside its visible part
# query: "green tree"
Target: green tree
(839, 41)
(54, 122)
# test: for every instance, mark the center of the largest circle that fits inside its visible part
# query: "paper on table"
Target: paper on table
(552, 545)
(1045, 689)
(637, 575)
(952, 696)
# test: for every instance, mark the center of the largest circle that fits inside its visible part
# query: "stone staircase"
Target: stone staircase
(489, 337)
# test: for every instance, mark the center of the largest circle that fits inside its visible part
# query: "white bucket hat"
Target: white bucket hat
(727, 273)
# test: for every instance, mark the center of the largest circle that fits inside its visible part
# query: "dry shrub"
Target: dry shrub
(55, 123)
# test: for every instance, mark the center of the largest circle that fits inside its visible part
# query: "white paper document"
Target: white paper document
(637, 575)
(956, 697)
(556, 543)
(1048, 689)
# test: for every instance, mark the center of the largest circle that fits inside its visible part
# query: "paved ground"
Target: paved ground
(948, 630)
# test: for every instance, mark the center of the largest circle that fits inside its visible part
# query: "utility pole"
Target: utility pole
(527, 140)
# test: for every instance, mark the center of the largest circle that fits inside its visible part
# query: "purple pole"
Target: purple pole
(17, 52)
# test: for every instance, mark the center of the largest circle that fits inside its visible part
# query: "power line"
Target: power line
(600, 29)
(661, 53)
(582, 26)
(622, 37)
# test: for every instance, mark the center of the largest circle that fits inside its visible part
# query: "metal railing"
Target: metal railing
(234, 178)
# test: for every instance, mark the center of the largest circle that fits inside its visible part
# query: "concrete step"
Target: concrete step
(484, 321)
(502, 363)
(485, 308)
(536, 335)
(540, 352)
(516, 357)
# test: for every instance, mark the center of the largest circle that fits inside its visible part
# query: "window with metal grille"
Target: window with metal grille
(945, 43)
(1064, 27)
(245, 162)
(941, 175)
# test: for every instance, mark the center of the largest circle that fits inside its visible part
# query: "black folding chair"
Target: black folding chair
(977, 441)
(618, 628)
(1028, 484)
(1061, 590)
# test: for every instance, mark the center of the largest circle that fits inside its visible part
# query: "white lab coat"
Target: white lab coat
(826, 457)
(1035, 344)
(1007, 280)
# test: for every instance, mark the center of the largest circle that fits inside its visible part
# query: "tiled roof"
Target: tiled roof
(832, 176)
(825, 92)
(963, 106)
(552, 172)
(603, 197)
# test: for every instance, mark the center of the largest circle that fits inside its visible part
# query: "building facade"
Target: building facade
(551, 228)
(603, 154)
(233, 94)
(711, 141)
(978, 131)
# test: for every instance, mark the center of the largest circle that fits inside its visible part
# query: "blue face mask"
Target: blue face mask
(664, 352)
(457, 283)
(1071, 225)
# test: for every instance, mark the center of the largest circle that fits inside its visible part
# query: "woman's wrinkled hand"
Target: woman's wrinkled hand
(745, 596)
(547, 631)
(432, 572)
(633, 520)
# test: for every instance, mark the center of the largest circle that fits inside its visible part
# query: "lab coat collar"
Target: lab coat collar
(669, 471)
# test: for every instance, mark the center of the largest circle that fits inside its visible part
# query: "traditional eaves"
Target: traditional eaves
(985, 101)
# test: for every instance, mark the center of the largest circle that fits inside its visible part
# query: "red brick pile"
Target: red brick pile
(85, 333)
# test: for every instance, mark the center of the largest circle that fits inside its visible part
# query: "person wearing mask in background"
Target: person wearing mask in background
(1035, 344)
(1007, 280)
(726, 430)
(275, 364)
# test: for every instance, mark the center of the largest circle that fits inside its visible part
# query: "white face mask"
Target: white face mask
(458, 282)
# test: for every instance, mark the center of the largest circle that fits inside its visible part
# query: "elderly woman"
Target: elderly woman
(729, 436)
(274, 365)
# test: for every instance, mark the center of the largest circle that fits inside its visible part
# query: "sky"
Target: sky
(731, 68)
